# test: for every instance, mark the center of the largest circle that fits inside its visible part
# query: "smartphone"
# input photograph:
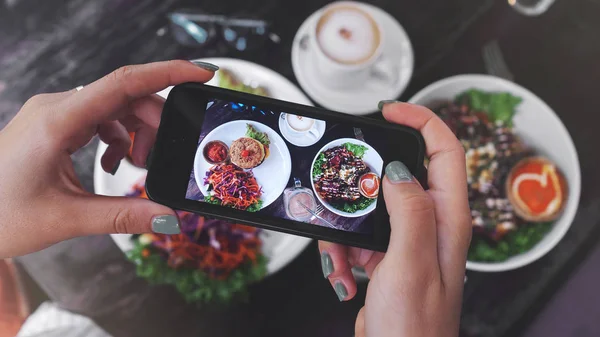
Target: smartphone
(278, 165)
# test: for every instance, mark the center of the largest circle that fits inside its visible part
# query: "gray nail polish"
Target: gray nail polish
(114, 170)
(206, 65)
(384, 102)
(326, 264)
(340, 290)
(397, 172)
(166, 224)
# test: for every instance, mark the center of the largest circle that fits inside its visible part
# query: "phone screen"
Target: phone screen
(285, 165)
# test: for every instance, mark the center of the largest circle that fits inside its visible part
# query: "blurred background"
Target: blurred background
(524, 279)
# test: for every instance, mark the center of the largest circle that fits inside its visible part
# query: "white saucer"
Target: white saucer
(362, 99)
(299, 140)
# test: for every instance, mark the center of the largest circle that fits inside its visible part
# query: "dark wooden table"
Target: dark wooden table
(56, 45)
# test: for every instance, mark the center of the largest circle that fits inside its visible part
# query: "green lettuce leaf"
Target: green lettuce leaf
(194, 285)
(357, 149)
(499, 106)
(256, 135)
(255, 207)
(317, 171)
(516, 242)
(355, 206)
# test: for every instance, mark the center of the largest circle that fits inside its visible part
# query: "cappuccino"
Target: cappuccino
(348, 35)
(299, 123)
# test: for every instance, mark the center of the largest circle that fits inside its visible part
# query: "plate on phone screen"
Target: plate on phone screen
(279, 248)
(371, 158)
(273, 174)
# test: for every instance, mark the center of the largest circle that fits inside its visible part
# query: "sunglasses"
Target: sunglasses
(204, 29)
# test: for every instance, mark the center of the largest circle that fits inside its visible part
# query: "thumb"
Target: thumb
(112, 215)
(359, 325)
(413, 239)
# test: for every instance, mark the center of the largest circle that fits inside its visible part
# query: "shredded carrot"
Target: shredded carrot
(233, 186)
(185, 249)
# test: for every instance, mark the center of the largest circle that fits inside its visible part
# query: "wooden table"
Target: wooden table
(56, 45)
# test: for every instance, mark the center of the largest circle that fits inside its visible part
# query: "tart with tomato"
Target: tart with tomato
(247, 152)
(536, 189)
(368, 185)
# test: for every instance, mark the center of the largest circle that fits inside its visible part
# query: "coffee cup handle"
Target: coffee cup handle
(313, 131)
(385, 71)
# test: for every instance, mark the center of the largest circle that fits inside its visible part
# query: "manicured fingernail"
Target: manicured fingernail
(384, 102)
(114, 170)
(166, 224)
(397, 172)
(340, 290)
(206, 65)
(326, 264)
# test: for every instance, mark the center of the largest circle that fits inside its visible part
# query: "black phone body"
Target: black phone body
(315, 174)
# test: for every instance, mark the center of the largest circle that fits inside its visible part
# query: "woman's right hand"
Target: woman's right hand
(416, 287)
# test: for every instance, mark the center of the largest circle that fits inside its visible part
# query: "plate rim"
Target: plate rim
(573, 203)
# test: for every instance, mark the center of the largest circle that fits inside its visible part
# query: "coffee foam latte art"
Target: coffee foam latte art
(347, 35)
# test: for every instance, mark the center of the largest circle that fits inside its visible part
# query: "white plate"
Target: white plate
(371, 158)
(364, 98)
(273, 174)
(301, 141)
(279, 248)
(540, 128)
(278, 86)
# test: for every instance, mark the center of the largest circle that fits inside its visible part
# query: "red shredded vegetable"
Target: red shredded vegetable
(214, 246)
(233, 186)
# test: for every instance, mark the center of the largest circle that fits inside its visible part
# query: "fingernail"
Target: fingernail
(114, 170)
(206, 65)
(326, 264)
(397, 172)
(165, 224)
(340, 290)
(384, 102)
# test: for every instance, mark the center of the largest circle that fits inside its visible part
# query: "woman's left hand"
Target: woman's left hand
(42, 201)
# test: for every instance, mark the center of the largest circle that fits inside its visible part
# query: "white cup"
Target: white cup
(301, 126)
(376, 68)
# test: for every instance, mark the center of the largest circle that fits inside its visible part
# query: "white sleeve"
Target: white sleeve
(51, 321)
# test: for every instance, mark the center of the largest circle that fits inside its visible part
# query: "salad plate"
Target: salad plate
(272, 174)
(280, 249)
(503, 125)
(362, 153)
